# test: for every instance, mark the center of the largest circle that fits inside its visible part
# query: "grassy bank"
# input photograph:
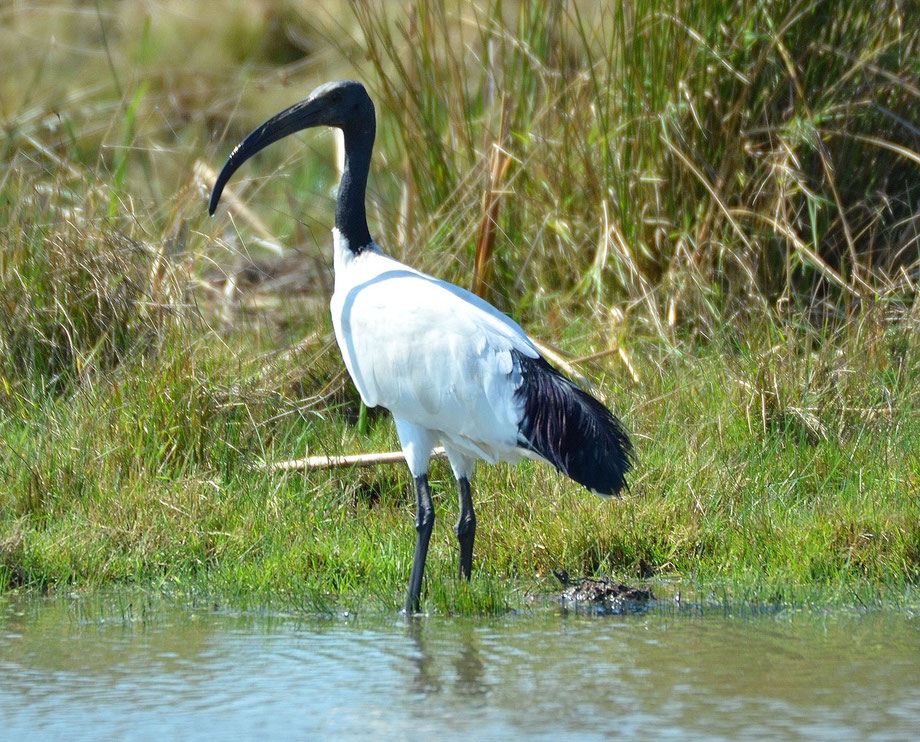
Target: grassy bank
(777, 470)
(715, 211)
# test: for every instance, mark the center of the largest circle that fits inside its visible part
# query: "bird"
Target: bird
(449, 366)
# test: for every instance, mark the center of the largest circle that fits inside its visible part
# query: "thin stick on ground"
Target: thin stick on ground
(311, 463)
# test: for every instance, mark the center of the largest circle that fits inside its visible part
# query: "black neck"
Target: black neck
(350, 214)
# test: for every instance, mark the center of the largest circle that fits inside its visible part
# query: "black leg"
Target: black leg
(424, 522)
(466, 528)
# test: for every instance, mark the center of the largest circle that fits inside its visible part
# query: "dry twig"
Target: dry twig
(333, 462)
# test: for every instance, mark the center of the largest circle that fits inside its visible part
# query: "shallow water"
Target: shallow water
(115, 671)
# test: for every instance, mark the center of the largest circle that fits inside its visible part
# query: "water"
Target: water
(78, 669)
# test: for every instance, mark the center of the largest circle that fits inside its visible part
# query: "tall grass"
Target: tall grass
(712, 205)
(686, 162)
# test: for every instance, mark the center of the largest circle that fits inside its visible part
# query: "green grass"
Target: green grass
(768, 486)
(677, 192)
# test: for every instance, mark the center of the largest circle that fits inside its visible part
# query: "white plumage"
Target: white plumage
(435, 355)
(448, 365)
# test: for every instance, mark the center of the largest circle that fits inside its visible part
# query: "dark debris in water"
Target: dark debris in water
(601, 590)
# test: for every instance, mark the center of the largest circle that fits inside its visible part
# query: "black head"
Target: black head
(344, 104)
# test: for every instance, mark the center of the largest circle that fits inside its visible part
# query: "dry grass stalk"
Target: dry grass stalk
(490, 205)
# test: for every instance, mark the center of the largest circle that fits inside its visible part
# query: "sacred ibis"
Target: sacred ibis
(449, 366)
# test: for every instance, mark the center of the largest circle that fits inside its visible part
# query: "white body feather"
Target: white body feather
(438, 357)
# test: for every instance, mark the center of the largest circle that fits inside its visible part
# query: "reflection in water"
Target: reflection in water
(469, 665)
(125, 671)
(426, 680)
(467, 681)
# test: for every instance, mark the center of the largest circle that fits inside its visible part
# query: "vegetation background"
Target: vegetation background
(712, 209)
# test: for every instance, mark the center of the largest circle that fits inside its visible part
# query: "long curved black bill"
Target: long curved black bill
(300, 116)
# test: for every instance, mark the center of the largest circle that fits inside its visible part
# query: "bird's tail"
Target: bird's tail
(571, 429)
